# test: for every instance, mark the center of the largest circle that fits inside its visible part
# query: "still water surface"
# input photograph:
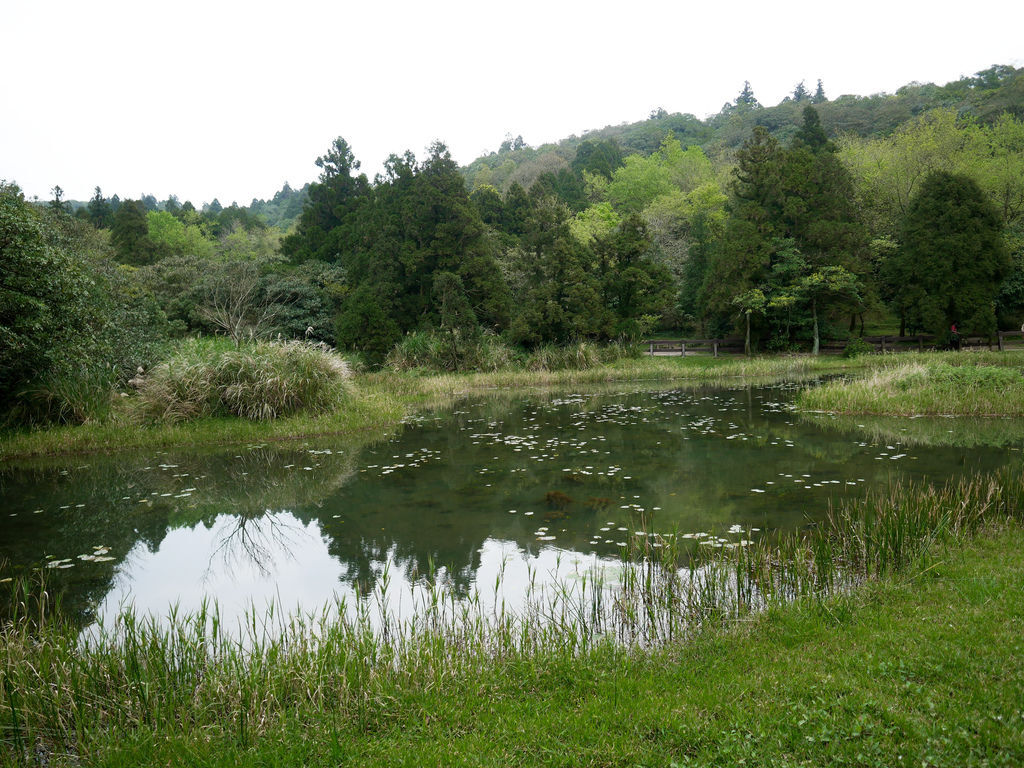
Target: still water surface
(536, 486)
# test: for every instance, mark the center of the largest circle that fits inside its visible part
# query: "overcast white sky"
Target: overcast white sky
(231, 99)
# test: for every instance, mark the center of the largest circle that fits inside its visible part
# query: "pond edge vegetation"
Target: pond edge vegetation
(189, 681)
(293, 404)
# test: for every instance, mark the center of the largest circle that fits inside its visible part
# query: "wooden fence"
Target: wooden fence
(1003, 340)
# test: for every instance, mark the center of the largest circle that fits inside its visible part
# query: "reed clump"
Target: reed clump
(260, 381)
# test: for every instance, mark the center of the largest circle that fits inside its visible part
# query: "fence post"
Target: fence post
(715, 342)
(652, 348)
(1001, 342)
(682, 349)
(883, 345)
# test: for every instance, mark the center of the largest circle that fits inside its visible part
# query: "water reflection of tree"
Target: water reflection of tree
(246, 482)
(257, 541)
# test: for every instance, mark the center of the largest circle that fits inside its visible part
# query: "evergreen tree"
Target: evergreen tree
(129, 234)
(488, 203)
(100, 212)
(819, 94)
(324, 229)
(457, 323)
(635, 290)
(559, 296)
(793, 224)
(757, 182)
(812, 134)
(800, 93)
(367, 322)
(746, 98)
(952, 257)
(600, 157)
(57, 204)
(417, 223)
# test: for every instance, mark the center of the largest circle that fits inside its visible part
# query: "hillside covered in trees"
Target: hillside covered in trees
(786, 224)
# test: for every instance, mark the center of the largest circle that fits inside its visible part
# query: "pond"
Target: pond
(508, 488)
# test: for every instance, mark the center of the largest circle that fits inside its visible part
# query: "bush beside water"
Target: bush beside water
(259, 381)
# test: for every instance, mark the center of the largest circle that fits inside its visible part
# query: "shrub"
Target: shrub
(260, 381)
(857, 347)
(420, 349)
(73, 324)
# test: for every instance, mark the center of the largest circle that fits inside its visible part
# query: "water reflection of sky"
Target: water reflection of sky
(193, 564)
(529, 485)
(284, 563)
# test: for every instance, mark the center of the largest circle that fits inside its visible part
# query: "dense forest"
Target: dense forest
(787, 225)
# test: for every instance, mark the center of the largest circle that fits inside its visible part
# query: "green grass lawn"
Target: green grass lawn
(955, 383)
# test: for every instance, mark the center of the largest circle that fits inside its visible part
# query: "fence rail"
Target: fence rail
(1004, 340)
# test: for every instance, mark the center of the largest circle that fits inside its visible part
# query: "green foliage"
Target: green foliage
(794, 234)
(457, 325)
(307, 299)
(598, 157)
(598, 221)
(857, 347)
(72, 323)
(559, 296)
(237, 243)
(634, 289)
(322, 230)
(283, 209)
(129, 234)
(366, 323)
(431, 351)
(953, 257)
(259, 382)
(266, 296)
(171, 236)
(38, 290)
(638, 182)
(101, 213)
(417, 223)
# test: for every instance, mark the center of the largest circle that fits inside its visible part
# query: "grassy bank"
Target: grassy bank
(890, 635)
(380, 400)
(961, 384)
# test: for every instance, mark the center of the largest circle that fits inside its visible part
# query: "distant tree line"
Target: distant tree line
(799, 231)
